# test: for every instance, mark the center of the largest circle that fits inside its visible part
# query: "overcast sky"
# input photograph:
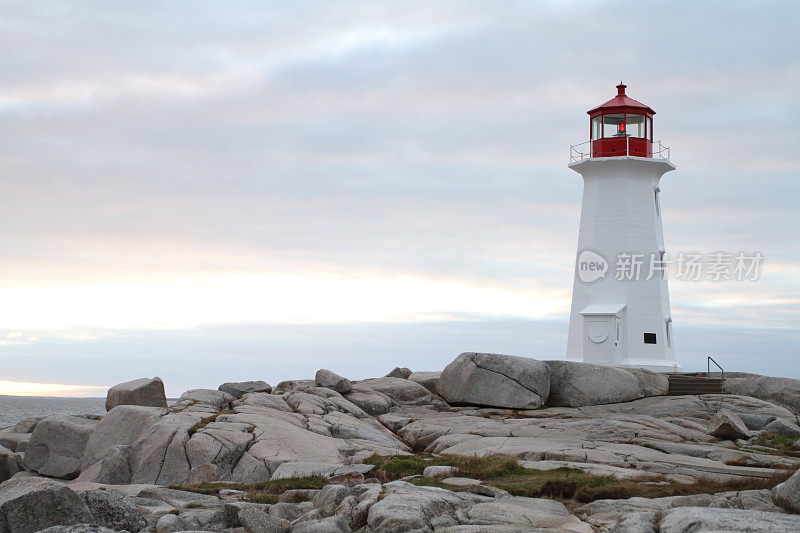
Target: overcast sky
(211, 192)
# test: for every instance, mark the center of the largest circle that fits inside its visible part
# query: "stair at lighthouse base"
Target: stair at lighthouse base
(681, 384)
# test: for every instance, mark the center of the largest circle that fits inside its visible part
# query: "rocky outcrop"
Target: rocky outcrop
(652, 383)
(405, 507)
(308, 428)
(399, 372)
(10, 463)
(787, 494)
(782, 427)
(240, 388)
(727, 425)
(16, 442)
(713, 519)
(29, 504)
(215, 399)
(781, 391)
(57, 445)
(143, 391)
(400, 390)
(429, 380)
(121, 427)
(113, 509)
(495, 380)
(332, 380)
(578, 384)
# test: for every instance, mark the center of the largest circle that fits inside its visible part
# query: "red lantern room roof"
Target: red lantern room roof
(621, 104)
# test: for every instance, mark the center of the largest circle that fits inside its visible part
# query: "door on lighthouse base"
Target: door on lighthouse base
(601, 334)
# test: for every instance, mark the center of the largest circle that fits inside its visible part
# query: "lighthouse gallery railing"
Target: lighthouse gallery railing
(576, 151)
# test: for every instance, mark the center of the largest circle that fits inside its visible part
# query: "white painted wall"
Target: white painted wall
(619, 215)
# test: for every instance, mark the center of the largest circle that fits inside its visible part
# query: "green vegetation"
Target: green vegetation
(566, 484)
(264, 492)
(399, 466)
(783, 445)
(570, 485)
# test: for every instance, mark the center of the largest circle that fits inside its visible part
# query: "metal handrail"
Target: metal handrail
(708, 369)
(576, 155)
(658, 150)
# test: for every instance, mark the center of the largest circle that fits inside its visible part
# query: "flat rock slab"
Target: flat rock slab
(301, 469)
(461, 481)
(686, 519)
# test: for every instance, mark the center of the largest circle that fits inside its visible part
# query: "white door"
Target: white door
(602, 338)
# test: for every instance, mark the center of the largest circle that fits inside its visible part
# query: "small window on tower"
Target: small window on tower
(650, 338)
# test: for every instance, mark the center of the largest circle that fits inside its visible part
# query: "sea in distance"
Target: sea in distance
(16, 408)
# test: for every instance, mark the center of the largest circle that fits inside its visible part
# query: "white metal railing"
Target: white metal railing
(659, 154)
(576, 154)
(576, 151)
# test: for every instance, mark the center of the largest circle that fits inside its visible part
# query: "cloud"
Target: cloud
(146, 147)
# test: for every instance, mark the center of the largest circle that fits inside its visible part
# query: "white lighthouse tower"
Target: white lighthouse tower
(620, 302)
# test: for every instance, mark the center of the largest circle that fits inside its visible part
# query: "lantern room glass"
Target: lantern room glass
(597, 127)
(622, 125)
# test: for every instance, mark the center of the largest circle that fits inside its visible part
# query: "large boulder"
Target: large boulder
(122, 426)
(398, 372)
(653, 383)
(727, 425)
(113, 509)
(574, 384)
(240, 388)
(495, 380)
(57, 445)
(787, 494)
(216, 399)
(143, 391)
(426, 379)
(16, 442)
(405, 507)
(29, 504)
(782, 427)
(398, 389)
(369, 400)
(331, 380)
(781, 391)
(10, 463)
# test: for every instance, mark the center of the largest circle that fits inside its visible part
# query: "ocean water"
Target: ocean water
(15, 408)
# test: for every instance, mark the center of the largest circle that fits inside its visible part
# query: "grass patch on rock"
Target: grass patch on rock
(565, 484)
(570, 485)
(399, 466)
(264, 492)
(783, 445)
(207, 420)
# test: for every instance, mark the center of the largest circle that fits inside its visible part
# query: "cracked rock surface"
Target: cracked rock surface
(546, 415)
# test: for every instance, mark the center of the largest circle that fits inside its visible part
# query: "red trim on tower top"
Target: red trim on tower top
(621, 104)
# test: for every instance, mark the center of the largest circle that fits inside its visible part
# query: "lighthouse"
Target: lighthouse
(620, 312)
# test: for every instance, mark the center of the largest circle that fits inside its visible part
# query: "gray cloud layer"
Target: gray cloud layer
(416, 137)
